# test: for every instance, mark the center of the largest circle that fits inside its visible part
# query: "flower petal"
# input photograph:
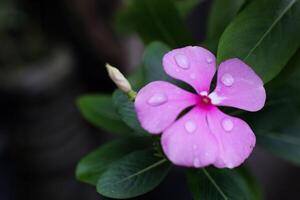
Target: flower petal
(193, 65)
(238, 86)
(189, 142)
(159, 103)
(235, 137)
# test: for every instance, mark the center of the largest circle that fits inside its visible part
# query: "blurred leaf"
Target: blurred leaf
(253, 184)
(99, 110)
(286, 146)
(133, 175)
(186, 6)
(154, 20)
(90, 168)
(153, 56)
(211, 183)
(221, 14)
(265, 35)
(125, 108)
(137, 78)
(290, 75)
(277, 126)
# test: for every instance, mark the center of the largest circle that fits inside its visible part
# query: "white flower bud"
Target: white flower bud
(118, 78)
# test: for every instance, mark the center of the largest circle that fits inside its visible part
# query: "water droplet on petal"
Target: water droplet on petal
(190, 126)
(209, 60)
(227, 80)
(230, 165)
(157, 99)
(182, 61)
(196, 162)
(227, 124)
(195, 147)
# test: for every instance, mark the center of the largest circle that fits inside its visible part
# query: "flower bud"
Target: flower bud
(118, 78)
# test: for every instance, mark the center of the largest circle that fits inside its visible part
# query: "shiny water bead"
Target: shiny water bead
(190, 126)
(209, 60)
(227, 80)
(196, 162)
(182, 61)
(157, 99)
(227, 124)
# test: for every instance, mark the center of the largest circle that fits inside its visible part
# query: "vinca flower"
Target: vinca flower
(204, 135)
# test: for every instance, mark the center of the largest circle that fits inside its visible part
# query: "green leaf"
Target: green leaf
(277, 126)
(253, 184)
(221, 14)
(154, 20)
(137, 78)
(133, 175)
(286, 146)
(186, 6)
(125, 108)
(90, 168)
(153, 56)
(290, 75)
(216, 184)
(99, 110)
(265, 35)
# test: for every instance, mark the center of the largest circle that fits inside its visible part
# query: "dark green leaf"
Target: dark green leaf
(137, 78)
(133, 175)
(216, 184)
(283, 145)
(125, 108)
(277, 126)
(99, 110)
(153, 56)
(221, 14)
(290, 75)
(90, 168)
(154, 20)
(186, 6)
(265, 35)
(253, 184)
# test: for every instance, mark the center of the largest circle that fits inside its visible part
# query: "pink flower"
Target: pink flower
(205, 135)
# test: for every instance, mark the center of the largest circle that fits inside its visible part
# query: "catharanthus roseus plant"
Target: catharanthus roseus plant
(208, 126)
(205, 135)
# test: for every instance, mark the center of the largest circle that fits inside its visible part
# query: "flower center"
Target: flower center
(204, 100)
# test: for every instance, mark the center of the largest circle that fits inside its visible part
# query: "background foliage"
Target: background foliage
(263, 33)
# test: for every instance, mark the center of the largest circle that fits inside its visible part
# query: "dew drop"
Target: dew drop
(227, 124)
(196, 162)
(182, 61)
(227, 80)
(157, 99)
(190, 126)
(209, 60)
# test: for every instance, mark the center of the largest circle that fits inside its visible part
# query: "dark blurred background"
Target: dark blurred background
(52, 51)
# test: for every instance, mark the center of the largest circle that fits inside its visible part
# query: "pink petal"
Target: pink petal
(193, 65)
(238, 86)
(188, 142)
(159, 103)
(235, 137)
